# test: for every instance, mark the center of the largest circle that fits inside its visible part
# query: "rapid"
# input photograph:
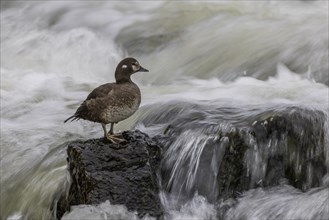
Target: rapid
(215, 67)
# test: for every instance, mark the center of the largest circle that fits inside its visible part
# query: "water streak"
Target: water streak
(214, 66)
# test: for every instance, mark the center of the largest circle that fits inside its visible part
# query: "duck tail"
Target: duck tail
(79, 114)
(72, 118)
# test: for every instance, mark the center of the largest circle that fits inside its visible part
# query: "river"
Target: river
(214, 66)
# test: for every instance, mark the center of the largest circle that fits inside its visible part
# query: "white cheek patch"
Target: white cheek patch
(135, 68)
(124, 67)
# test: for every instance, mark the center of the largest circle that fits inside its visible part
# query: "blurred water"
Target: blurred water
(282, 202)
(244, 55)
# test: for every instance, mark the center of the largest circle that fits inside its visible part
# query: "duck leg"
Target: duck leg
(111, 129)
(110, 136)
(104, 129)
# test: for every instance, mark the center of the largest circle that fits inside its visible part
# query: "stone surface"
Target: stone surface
(296, 145)
(266, 149)
(122, 173)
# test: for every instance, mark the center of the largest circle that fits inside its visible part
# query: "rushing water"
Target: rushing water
(214, 66)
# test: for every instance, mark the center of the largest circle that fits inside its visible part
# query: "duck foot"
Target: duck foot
(115, 138)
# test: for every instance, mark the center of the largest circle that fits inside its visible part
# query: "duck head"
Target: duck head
(126, 68)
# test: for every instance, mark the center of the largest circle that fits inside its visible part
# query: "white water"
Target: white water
(53, 53)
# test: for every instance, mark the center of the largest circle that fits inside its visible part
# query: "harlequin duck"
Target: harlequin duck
(112, 102)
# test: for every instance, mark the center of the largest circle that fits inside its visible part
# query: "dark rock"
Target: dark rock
(300, 154)
(122, 173)
(232, 175)
(260, 148)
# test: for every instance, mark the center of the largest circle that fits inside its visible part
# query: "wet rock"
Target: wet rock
(122, 173)
(221, 171)
(234, 152)
(296, 147)
(232, 174)
(292, 147)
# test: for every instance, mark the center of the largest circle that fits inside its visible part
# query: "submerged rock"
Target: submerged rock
(221, 152)
(295, 144)
(122, 173)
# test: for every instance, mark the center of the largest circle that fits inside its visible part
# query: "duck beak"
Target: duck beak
(141, 69)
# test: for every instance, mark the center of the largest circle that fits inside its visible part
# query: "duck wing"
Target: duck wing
(94, 99)
(101, 91)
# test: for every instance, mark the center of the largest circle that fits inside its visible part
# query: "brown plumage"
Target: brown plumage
(112, 102)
